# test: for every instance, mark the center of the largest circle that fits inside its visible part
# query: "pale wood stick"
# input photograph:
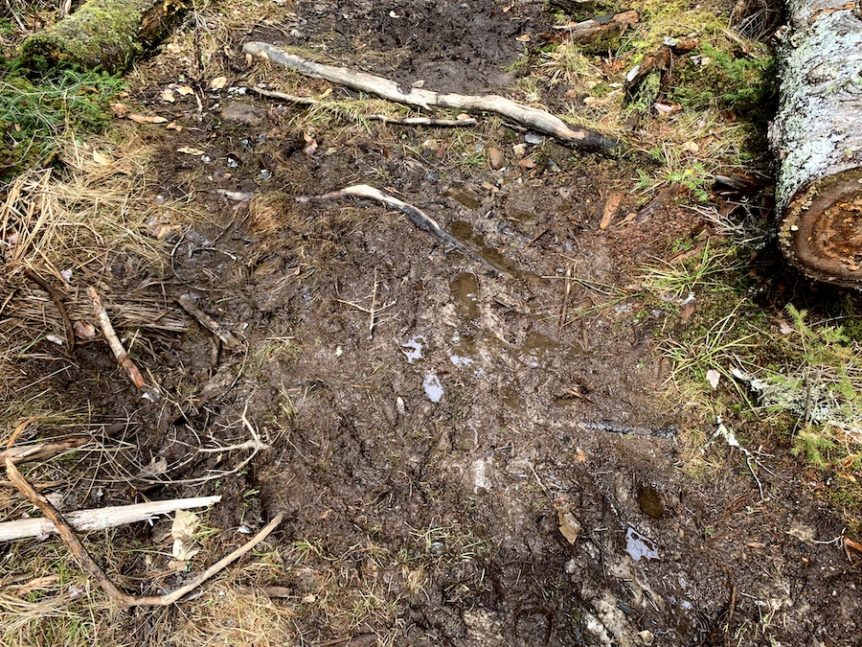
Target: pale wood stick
(114, 342)
(225, 336)
(534, 118)
(102, 518)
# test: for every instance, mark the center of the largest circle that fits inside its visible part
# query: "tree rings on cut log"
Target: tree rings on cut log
(822, 229)
(105, 35)
(817, 141)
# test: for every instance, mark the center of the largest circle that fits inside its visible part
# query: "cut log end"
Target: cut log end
(821, 233)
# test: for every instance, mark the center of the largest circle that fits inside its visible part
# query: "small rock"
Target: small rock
(571, 566)
(496, 158)
(646, 637)
(244, 113)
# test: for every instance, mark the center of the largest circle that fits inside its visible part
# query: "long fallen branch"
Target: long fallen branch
(462, 121)
(92, 568)
(418, 217)
(538, 120)
(102, 518)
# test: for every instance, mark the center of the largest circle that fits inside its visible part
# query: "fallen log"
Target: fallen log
(538, 120)
(818, 143)
(105, 35)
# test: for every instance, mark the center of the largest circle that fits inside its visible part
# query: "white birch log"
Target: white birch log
(101, 518)
(817, 140)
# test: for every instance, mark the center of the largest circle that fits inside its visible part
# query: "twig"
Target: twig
(225, 336)
(101, 518)
(57, 298)
(418, 217)
(114, 342)
(851, 544)
(92, 568)
(538, 120)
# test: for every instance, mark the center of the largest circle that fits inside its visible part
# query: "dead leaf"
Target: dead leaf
(174, 126)
(147, 119)
(184, 90)
(612, 204)
(120, 110)
(688, 311)
(310, 145)
(188, 150)
(570, 527)
(785, 328)
(156, 467)
(167, 96)
(713, 377)
(527, 163)
(580, 455)
(218, 83)
(183, 529)
(84, 330)
(523, 38)
(101, 159)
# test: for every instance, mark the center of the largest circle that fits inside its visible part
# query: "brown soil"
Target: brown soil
(550, 397)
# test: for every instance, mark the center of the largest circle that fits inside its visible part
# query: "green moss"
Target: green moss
(33, 115)
(715, 77)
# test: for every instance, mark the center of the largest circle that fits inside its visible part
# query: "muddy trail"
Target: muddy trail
(468, 456)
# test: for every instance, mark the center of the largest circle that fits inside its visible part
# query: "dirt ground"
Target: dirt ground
(486, 460)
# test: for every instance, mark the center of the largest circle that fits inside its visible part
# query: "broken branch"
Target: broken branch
(418, 217)
(539, 120)
(39, 451)
(225, 336)
(114, 342)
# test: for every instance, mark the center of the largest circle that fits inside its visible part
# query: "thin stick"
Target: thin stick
(418, 217)
(114, 342)
(225, 336)
(371, 315)
(538, 120)
(57, 298)
(92, 568)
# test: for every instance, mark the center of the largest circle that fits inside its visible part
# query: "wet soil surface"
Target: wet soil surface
(497, 438)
